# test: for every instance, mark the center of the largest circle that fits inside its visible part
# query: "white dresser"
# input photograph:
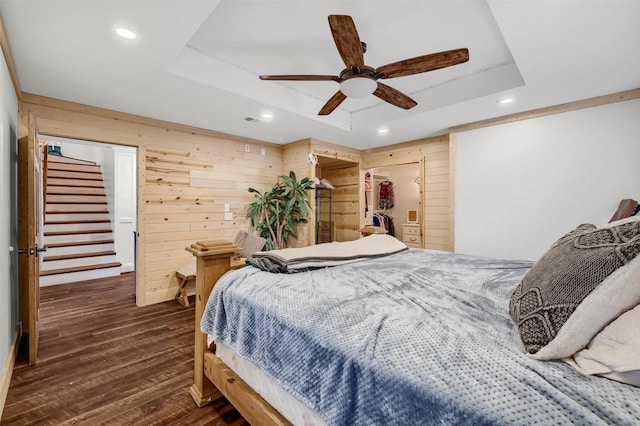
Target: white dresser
(411, 234)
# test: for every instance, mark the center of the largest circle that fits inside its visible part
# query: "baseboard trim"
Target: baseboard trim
(7, 370)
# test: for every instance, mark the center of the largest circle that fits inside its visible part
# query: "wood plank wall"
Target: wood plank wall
(344, 203)
(294, 157)
(439, 195)
(185, 176)
(345, 178)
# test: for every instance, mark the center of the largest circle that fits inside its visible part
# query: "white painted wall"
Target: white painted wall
(83, 150)
(125, 208)
(9, 315)
(405, 190)
(520, 186)
(118, 165)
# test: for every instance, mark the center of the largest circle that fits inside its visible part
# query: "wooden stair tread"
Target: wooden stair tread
(70, 222)
(74, 175)
(73, 182)
(82, 231)
(70, 202)
(79, 243)
(77, 211)
(53, 175)
(71, 190)
(80, 268)
(78, 256)
(67, 193)
(71, 169)
(51, 158)
(74, 187)
(81, 168)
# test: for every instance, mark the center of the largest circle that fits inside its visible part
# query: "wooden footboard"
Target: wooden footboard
(250, 404)
(211, 377)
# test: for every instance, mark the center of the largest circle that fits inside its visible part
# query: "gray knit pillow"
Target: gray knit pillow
(565, 276)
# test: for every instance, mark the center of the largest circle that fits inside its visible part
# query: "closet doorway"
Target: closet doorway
(392, 200)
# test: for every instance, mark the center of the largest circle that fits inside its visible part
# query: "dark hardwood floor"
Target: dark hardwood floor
(102, 360)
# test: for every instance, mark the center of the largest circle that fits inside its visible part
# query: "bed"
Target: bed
(408, 337)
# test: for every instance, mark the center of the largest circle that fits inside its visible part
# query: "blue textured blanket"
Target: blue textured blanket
(418, 337)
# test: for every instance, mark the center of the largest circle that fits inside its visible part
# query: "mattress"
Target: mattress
(292, 409)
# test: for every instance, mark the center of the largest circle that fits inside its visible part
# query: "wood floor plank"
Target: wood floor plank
(103, 360)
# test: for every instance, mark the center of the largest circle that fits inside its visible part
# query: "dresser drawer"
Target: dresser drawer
(412, 230)
(411, 239)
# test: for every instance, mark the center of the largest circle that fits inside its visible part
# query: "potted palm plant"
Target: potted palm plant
(275, 213)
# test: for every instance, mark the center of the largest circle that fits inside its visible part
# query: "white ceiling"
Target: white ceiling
(198, 62)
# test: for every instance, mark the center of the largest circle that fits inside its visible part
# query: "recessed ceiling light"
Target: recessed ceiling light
(266, 116)
(126, 33)
(383, 130)
(505, 101)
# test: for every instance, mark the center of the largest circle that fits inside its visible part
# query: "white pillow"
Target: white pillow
(615, 351)
(629, 219)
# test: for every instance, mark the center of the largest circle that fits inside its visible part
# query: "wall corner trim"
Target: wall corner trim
(7, 369)
(555, 109)
(8, 57)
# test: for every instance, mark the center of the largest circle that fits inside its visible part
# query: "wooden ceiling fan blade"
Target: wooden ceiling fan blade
(332, 103)
(347, 40)
(424, 63)
(295, 77)
(394, 96)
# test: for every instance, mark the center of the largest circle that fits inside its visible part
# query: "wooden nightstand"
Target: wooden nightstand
(411, 234)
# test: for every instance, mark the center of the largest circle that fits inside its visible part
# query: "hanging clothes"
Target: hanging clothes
(386, 195)
(384, 221)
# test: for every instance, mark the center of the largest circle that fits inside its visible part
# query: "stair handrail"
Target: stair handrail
(45, 167)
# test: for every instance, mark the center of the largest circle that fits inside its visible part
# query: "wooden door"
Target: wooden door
(30, 232)
(421, 203)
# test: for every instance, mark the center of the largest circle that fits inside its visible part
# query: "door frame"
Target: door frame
(420, 161)
(30, 217)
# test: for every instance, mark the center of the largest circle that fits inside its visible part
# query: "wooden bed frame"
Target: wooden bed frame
(212, 378)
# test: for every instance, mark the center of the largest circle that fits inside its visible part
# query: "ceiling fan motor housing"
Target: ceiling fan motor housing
(368, 72)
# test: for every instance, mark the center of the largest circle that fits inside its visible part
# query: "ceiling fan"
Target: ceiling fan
(358, 80)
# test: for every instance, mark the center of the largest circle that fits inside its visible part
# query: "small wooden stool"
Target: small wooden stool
(184, 275)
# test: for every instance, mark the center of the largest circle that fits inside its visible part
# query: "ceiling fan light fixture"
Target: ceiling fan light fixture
(358, 87)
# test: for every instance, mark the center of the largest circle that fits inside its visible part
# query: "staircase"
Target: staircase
(77, 229)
